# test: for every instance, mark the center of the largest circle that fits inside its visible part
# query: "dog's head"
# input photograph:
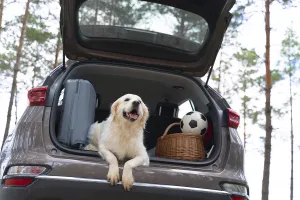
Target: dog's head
(130, 108)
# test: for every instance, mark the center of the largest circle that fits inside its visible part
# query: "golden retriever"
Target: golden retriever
(120, 136)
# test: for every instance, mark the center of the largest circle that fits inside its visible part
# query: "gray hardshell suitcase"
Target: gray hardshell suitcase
(78, 113)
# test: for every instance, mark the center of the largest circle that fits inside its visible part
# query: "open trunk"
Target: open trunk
(167, 94)
(180, 39)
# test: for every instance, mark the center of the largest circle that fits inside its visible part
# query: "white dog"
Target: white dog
(120, 136)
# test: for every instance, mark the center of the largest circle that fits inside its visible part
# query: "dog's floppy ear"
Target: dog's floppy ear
(145, 115)
(114, 108)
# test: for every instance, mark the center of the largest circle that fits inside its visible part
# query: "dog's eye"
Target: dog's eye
(127, 99)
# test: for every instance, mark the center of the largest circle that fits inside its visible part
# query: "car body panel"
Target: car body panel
(28, 144)
(69, 174)
(64, 188)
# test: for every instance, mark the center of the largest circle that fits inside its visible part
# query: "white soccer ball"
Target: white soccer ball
(194, 122)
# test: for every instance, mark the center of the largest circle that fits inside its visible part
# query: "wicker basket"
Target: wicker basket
(182, 146)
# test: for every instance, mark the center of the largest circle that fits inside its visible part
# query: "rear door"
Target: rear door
(174, 34)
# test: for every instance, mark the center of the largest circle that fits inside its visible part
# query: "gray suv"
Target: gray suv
(157, 50)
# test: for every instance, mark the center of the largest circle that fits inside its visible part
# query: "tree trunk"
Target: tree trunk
(182, 25)
(268, 125)
(16, 106)
(244, 114)
(35, 67)
(220, 73)
(96, 12)
(292, 141)
(33, 78)
(1, 14)
(57, 50)
(16, 70)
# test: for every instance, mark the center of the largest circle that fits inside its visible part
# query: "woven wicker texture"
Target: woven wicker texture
(182, 146)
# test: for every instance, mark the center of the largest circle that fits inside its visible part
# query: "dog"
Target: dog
(120, 137)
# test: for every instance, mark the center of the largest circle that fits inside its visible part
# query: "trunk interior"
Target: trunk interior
(168, 96)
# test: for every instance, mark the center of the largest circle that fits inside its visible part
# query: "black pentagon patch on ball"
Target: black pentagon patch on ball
(203, 117)
(189, 113)
(203, 131)
(193, 123)
(181, 124)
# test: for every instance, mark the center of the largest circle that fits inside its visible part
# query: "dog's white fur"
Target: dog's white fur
(118, 138)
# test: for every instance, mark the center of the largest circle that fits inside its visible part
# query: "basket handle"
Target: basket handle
(168, 128)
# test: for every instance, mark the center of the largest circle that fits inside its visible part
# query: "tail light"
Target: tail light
(238, 198)
(25, 170)
(233, 119)
(37, 96)
(21, 176)
(17, 182)
(238, 192)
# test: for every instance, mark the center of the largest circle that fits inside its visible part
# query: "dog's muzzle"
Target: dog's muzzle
(132, 115)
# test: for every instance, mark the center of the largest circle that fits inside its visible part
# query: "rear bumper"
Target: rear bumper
(65, 188)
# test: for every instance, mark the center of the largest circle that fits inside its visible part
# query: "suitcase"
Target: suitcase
(78, 113)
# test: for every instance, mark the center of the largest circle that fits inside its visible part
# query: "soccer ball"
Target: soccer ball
(194, 122)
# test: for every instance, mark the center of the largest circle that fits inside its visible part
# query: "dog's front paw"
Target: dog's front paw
(127, 180)
(113, 175)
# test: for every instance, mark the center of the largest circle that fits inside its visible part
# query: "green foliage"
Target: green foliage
(276, 76)
(5, 61)
(115, 12)
(247, 57)
(128, 13)
(7, 57)
(290, 51)
(38, 51)
(238, 18)
(40, 36)
(222, 70)
(249, 60)
(37, 41)
(187, 25)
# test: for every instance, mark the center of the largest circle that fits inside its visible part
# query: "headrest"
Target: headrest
(167, 109)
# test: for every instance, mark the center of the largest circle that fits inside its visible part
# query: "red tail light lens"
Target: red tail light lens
(22, 175)
(238, 198)
(233, 119)
(17, 182)
(37, 96)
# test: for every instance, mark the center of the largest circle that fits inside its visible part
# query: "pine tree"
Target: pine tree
(1, 14)
(246, 74)
(290, 51)
(16, 106)
(258, 116)
(57, 49)
(268, 108)
(37, 44)
(116, 12)
(222, 70)
(16, 68)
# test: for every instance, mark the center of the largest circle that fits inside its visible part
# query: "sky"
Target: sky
(251, 35)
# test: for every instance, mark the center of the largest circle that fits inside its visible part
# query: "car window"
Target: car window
(142, 21)
(185, 107)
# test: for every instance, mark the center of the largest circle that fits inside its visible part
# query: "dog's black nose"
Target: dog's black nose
(135, 103)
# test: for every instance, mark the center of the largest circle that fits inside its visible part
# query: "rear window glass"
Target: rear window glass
(185, 107)
(143, 22)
